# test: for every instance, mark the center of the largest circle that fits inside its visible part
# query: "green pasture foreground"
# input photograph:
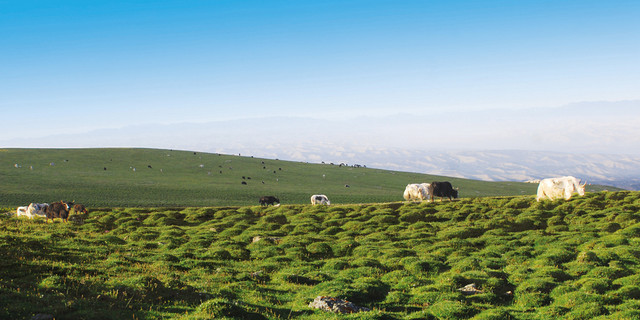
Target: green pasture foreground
(166, 178)
(577, 259)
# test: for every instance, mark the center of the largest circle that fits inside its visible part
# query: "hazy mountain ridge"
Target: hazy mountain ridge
(618, 170)
(596, 141)
(595, 127)
(621, 171)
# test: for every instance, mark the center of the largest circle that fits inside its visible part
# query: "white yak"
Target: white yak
(562, 187)
(417, 191)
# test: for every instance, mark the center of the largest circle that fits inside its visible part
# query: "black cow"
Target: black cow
(268, 200)
(58, 210)
(442, 190)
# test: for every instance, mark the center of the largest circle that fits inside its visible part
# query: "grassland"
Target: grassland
(577, 259)
(176, 238)
(155, 178)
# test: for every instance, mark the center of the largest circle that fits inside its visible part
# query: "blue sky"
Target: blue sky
(108, 64)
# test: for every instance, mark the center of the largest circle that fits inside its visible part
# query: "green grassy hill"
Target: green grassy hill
(152, 177)
(577, 259)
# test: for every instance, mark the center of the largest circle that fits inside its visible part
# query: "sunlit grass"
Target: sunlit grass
(574, 260)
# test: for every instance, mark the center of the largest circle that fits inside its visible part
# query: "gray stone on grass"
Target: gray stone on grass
(335, 305)
(470, 289)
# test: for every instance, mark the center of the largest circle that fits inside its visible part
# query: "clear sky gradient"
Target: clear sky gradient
(108, 64)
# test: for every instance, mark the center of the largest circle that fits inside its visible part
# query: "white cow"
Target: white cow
(22, 211)
(33, 210)
(562, 187)
(418, 191)
(428, 189)
(38, 209)
(320, 199)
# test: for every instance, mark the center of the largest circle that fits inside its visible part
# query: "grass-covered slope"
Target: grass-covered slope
(153, 177)
(578, 259)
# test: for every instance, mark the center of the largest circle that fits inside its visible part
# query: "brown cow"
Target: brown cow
(268, 200)
(58, 210)
(79, 208)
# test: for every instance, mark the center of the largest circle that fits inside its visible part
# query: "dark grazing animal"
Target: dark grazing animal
(268, 200)
(443, 190)
(58, 210)
(79, 208)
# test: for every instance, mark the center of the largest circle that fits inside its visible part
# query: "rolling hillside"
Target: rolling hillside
(157, 177)
(524, 260)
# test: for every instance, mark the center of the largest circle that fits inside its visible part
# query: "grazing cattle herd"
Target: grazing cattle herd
(60, 209)
(551, 189)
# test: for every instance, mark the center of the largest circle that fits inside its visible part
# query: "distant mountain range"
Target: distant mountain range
(595, 141)
(622, 171)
